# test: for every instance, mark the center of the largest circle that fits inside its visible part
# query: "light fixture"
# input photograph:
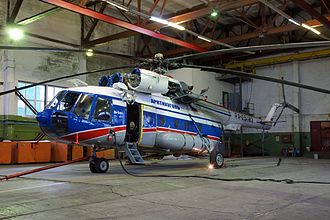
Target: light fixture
(115, 4)
(15, 33)
(176, 26)
(214, 13)
(89, 52)
(159, 20)
(294, 22)
(210, 167)
(311, 29)
(204, 38)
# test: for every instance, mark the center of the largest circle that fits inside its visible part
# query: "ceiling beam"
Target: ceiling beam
(38, 16)
(95, 21)
(15, 11)
(182, 18)
(247, 36)
(123, 24)
(310, 10)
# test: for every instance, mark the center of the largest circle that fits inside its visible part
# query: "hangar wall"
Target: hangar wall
(313, 106)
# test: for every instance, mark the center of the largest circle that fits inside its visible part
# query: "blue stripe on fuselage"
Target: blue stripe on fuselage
(162, 120)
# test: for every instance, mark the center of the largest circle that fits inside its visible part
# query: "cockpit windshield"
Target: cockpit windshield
(55, 100)
(63, 101)
(68, 101)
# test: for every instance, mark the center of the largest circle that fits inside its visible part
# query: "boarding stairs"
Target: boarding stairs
(133, 153)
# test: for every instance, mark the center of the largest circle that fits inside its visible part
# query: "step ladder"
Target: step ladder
(133, 153)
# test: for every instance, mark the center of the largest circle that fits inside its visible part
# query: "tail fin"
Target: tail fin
(272, 111)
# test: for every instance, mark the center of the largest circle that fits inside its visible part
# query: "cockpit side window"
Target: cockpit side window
(102, 109)
(83, 106)
(68, 101)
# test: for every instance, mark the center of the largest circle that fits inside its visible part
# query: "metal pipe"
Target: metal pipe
(254, 48)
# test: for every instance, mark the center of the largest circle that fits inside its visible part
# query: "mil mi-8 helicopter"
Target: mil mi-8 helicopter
(145, 111)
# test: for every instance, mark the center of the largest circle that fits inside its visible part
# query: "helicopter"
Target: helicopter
(145, 111)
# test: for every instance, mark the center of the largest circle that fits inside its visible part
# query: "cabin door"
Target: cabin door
(133, 125)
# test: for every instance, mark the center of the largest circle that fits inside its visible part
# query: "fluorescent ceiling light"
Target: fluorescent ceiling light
(176, 26)
(214, 14)
(315, 31)
(294, 21)
(15, 33)
(204, 38)
(115, 4)
(311, 29)
(89, 52)
(159, 20)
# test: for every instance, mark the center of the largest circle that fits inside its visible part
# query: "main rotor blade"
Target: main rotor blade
(253, 48)
(293, 108)
(283, 91)
(65, 77)
(53, 49)
(278, 117)
(265, 78)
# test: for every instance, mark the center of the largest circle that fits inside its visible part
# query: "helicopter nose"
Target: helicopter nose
(42, 117)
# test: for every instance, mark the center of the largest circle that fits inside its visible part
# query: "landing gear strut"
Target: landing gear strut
(98, 165)
(216, 158)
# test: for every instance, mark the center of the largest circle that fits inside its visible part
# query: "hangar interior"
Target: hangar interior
(45, 39)
(234, 24)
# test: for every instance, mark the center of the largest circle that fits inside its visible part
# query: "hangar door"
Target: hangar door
(320, 136)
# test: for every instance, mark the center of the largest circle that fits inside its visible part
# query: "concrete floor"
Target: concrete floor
(72, 192)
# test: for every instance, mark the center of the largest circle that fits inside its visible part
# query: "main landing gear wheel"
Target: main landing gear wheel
(216, 159)
(99, 165)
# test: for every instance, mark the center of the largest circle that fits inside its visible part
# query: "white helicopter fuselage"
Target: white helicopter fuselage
(154, 121)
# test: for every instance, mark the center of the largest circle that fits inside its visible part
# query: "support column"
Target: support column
(3, 12)
(9, 82)
(296, 99)
(9, 101)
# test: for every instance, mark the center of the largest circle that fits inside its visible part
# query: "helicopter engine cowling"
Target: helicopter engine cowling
(147, 81)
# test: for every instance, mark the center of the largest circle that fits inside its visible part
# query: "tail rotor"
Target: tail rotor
(284, 105)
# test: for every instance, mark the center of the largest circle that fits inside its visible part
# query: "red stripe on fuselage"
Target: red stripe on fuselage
(96, 133)
(92, 134)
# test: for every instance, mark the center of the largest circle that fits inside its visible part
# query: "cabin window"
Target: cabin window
(162, 120)
(176, 123)
(83, 106)
(102, 109)
(68, 101)
(186, 125)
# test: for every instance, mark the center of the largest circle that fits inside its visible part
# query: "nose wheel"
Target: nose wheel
(98, 165)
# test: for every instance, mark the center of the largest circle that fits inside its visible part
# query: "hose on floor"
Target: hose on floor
(287, 181)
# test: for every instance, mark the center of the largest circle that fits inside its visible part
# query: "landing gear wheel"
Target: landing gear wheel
(216, 159)
(102, 165)
(99, 165)
(92, 167)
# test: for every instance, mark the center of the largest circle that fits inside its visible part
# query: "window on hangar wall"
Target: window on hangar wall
(38, 96)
